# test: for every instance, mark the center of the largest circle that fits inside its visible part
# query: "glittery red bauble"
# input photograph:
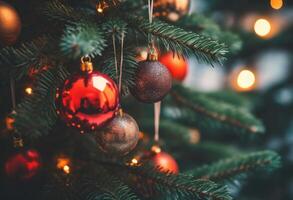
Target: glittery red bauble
(23, 165)
(176, 65)
(88, 100)
(153, 82)
(166, 162)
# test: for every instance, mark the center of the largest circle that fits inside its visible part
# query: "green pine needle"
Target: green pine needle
(36, 114)
(180, 41)
(200, 110)
(238, 165)
(82, 39)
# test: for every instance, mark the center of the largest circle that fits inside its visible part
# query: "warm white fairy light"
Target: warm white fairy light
(246, 79)
(262, 27)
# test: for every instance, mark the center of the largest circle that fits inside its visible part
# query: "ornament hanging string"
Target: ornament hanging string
(121, 62)
(150, 37)
(157, 105)
(17, 138)
(12, 90)
(119, 71)
(115, 55)
(157, 110)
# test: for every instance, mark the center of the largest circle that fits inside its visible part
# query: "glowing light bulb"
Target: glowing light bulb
(134, 161)
(29, 90)
(156, 149)
(246, 79)
(100, 10)
(66, 169)
(277, 4)
(262, 27)
(64, 165)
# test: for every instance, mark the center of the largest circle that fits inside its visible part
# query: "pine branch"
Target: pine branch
(58, 189)
(56, 10)
(149, 179)
(203, 112)
(180, 41)
(82, 39)
(36, 115)
(239, 165)
(207, 27)
(116, 27)
(17, 61)
(102, 185)
(129, 69)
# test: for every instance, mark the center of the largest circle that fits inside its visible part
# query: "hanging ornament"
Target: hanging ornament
(88, 100)
(153, 80)
(164, 161)
(171, 9)
(176, 65)
(23, 165)
(10, 24)
(119, 136)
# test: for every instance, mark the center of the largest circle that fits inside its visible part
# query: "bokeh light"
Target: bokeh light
(29, 90)
(246, 79)
(262, 27)
(277, 4)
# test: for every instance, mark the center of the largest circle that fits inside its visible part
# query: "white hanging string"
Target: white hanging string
(121, 61)
(157, 110)
(115, 55)
(157, 105)
(12, 90)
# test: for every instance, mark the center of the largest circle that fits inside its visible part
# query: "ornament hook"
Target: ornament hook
(86, 64)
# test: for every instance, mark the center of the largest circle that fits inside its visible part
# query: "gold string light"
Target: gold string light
(64, 164)
(28, 90)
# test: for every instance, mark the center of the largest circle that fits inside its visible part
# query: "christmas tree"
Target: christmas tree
(92, 82)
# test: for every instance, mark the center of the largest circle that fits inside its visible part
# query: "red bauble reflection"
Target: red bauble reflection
(88, 100)
(23, 165)
(165, 162)
(176, 65)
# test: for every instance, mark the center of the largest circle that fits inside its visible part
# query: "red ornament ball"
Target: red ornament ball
(88, 100)
(176, 65)
(165, 162)
(23, 165)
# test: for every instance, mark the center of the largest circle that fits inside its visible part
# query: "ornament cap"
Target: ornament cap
(152, 55)
(17, 142)
(86, 64)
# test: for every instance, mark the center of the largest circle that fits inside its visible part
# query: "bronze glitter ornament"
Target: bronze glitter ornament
(153, 81)
(10, 25)
(171, 9)
(119, 136)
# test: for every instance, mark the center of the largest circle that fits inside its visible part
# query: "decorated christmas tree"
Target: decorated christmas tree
(94, 105)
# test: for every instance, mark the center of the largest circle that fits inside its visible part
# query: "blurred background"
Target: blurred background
(261, 71)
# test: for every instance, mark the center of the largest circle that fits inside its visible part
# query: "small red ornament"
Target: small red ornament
(88, 100)
(166, 162)
(23, 165)
(176, 65)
